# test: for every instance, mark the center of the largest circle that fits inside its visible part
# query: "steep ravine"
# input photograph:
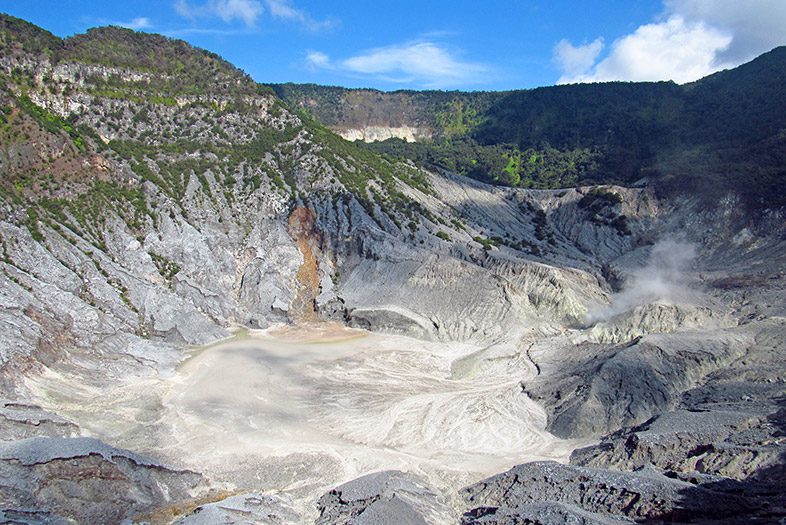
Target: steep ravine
(301, 228)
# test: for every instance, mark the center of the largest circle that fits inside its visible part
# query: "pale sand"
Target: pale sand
(302, 410)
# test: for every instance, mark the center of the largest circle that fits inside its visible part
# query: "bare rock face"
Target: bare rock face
(241, 509)
(712, 450)
(733, 444)
(540, 513)
(729, 425)
(393, 319)
(595, 389)
(637, 496)
(31, 517)
(657, 318)
(382, 498)
(85, 480)
(22, 420)
(726, 434)
(379, 133)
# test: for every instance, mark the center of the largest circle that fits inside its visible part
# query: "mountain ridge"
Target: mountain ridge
(656, 131)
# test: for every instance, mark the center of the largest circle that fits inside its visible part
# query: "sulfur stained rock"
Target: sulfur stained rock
(85, 480)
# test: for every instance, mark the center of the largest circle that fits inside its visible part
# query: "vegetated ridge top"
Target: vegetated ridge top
(195, 69)
(724, 133)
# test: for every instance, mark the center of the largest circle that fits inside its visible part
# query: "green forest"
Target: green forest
(725, 132)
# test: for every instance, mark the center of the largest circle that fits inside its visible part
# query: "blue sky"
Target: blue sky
(442, 44)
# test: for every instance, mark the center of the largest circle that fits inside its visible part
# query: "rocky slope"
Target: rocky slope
(146, 211)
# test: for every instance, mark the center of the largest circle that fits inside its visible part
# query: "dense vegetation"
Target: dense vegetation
(175, 66)
(454, 118)
(17, 35)
(726, 132)
(168, 66)
(540, 167)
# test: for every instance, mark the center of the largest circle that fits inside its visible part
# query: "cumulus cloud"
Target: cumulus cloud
(671, 50)
(247, 11)
(576, 60)
(757, 25)
(424, 63)
(691, 39)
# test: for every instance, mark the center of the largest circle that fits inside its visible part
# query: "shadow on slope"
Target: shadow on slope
(761, 496)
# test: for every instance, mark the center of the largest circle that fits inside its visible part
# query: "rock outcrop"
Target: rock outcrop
(593, 389)
(596, 496)
(243, 508)
(379, 133)
(59, 480)
(382, 498)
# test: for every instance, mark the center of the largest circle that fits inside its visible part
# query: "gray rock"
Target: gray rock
(388, 497)
(708, 442)
(243, 509)
(591, 390)
(31, 517)
(658, 318)
(21, 420)
(43, 450)
(542, 513)
(729, 426)
(393, 319)
(85, 480)
(638, 496)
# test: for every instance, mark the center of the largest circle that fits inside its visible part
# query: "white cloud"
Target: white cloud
(671, 50)
(757, 25)
(247, 11)
(179, 33)
(576, 60)
(283, 9)
(318, 60)
(423, 63)
(691, 39)
(137, 23)
(140, 22)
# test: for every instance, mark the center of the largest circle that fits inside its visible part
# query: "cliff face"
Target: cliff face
(370, 115)
(145, 212)
(382, 132)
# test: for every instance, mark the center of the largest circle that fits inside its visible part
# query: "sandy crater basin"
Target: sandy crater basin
(298, 411)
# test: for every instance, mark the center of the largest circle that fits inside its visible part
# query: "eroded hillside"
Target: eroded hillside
(155, 200)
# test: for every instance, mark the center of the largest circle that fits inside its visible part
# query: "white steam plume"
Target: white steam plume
(664, 278)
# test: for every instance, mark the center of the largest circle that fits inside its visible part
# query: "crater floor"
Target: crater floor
(300, 410)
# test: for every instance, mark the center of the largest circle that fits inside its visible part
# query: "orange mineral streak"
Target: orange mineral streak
(301, 229)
